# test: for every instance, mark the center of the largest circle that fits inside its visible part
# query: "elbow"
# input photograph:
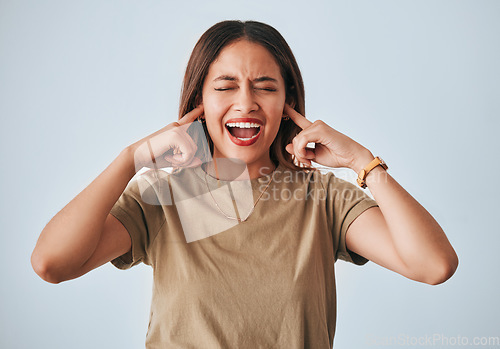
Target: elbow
(45, 269)
(443, 271)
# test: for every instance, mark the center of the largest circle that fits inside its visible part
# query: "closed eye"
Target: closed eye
(232, 88)
(267, 89)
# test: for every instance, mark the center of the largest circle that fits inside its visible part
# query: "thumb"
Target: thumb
(289, 148)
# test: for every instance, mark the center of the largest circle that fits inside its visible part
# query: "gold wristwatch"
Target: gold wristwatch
(364, 172)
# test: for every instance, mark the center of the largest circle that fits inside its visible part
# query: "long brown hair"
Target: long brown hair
(207, 50)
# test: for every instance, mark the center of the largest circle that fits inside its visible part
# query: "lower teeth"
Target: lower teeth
(244, 139)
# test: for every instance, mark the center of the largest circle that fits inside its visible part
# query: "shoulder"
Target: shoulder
(337, 185)
(154, 187)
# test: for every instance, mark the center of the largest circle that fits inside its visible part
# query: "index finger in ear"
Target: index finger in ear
(191, 116)
(297, 118)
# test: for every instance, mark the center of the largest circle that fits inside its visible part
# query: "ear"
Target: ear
(291, 102)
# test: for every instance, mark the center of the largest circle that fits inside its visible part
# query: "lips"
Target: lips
(244, 131)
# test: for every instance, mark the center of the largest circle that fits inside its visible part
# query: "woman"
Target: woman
(243, 236)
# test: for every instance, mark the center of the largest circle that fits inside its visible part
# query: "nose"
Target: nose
(245, 100)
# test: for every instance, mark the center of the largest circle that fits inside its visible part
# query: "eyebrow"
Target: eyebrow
(233, 78)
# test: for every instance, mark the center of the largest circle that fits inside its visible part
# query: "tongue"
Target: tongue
(243, 132)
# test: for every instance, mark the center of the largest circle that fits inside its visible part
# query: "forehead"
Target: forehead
(245, 59)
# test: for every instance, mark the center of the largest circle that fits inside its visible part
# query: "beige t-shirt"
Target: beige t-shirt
(267, 282)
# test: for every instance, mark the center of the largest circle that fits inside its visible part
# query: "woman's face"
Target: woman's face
(243, 100)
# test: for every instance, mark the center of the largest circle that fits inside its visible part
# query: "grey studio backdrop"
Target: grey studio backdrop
(414, 81)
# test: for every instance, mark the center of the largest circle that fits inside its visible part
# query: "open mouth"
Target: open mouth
(243, 131)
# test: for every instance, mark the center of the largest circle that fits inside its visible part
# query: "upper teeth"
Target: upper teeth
(242, 124)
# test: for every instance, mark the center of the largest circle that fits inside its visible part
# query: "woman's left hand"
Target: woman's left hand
(332, 148)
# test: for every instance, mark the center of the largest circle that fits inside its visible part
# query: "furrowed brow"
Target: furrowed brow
(265, 78)
(233, 78)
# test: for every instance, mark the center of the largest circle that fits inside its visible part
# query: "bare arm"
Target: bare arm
(71, 237)
(400, 235)
(83, 235)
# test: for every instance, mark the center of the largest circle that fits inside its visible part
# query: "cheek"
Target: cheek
(275, 112)
(278, 103)
(214, 107)
(275, 109)
(214, 111)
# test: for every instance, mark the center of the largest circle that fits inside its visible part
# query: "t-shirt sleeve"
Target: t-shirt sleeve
(142, 221)
(346, 202)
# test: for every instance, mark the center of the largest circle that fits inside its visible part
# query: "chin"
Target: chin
(237, 158)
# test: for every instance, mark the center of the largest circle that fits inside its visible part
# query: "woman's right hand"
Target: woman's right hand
(170, 146)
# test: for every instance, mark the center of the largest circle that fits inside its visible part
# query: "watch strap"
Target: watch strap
(364, 172)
